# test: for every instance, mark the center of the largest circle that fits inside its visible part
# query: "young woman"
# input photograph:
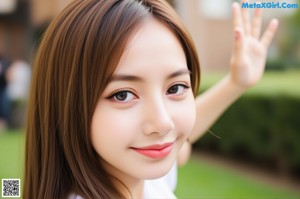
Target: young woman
(113, 100)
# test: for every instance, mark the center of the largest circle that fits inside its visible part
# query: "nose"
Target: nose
(158, 119)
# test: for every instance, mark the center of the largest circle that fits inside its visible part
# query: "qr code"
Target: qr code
(10, 188)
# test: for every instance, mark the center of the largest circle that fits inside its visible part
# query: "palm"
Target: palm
(248, 69)
(249, 51)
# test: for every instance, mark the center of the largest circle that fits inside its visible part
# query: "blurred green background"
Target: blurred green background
(263, 126)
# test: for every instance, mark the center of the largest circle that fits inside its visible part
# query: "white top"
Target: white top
(163, 187)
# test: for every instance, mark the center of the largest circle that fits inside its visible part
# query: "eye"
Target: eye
(177, 89)
(122, 96)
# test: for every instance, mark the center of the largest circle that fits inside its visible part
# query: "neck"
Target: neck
(136, 189)
(129, 186)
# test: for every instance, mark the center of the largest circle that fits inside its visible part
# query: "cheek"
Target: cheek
(185, 116)
(111, 129)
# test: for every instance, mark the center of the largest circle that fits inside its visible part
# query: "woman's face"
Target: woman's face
(147, 110)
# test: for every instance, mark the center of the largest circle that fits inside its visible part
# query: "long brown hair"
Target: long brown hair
(76, 58)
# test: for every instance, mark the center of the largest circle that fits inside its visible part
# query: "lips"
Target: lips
(156, 151)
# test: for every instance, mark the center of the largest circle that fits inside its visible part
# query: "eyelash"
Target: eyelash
(134, 96)
(119, 91)
(185, 87)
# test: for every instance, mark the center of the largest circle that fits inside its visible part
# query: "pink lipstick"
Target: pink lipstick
(155, 151)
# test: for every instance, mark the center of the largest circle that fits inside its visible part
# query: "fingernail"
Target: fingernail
(274, 24)
(235, 5)
(275, 21)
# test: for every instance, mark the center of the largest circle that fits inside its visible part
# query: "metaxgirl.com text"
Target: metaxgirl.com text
(283, 5)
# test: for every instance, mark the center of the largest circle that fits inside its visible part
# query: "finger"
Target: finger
(269, 33)
(246, 19)
(256, 23)
(236, 16)
(238, 41)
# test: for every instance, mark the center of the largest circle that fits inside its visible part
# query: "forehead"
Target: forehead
(153, 44)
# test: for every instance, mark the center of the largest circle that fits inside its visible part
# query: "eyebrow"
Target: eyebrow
(125, 77)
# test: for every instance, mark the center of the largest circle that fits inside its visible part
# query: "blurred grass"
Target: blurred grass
(273, 83)
(199, 179)
(196, 180)
(11, 154)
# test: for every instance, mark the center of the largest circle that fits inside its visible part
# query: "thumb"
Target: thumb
(238, 41)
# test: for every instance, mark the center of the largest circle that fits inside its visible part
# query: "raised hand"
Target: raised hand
(247, 63)
(249, 46)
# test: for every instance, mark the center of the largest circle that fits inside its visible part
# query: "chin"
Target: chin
(159, 169)
(156, 175)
